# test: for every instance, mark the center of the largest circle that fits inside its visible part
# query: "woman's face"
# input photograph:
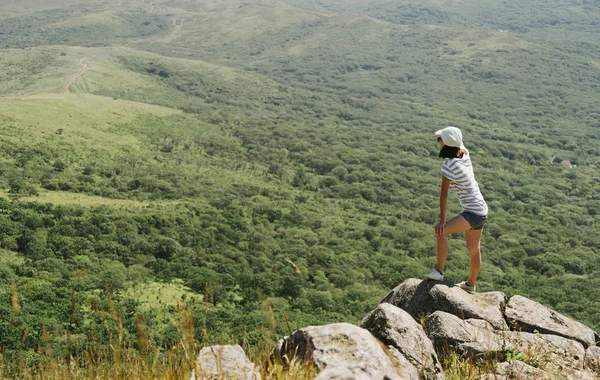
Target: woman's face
(440, 142)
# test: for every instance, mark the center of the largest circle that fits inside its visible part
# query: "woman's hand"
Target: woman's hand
(439, 228)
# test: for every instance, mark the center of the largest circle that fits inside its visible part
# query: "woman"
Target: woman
(457, 174)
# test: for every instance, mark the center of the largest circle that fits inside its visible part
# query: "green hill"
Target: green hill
(278, 156)
(554, 19)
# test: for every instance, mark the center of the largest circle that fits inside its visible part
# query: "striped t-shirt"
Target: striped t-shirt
(462, 181)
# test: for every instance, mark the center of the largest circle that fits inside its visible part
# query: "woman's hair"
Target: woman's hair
(450, 152)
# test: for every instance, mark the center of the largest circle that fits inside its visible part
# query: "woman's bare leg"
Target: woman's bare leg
(473, 238)
(454, 225)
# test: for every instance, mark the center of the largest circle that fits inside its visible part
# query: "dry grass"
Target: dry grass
(64, 357)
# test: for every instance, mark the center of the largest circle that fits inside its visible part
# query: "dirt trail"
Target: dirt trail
(178, 27)
(85, 67)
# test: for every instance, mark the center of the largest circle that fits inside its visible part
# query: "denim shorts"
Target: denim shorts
(476, 221)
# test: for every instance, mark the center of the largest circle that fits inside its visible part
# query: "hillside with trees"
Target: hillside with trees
(267, 165)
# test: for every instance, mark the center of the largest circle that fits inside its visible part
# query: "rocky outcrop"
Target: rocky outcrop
(340, 345)
(475, 326)
(592, 359)
(225, 362)
(354, 371)
(470, 338)
(526, 315)
(516, 370)
(536, 343)
(395, 327)
(420, 298)
(561, 352)
(409, 371)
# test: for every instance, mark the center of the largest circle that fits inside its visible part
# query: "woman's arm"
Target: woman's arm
(439, 228)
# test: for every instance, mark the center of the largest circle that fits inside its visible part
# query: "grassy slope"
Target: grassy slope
(85, 120)
(80, 23)
(534, 16)
(105, 132)
(35, 71)
(461, 72)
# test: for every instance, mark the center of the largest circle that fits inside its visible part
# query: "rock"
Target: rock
(397, 328)
(420, 298)
(352, 372)
(409, 295)
(571, 374)
(592, 359)
(408, 370)
(472, 338)
(518, 370)
(349, 372)
(493, 376)
(340, 345)
(561, 352)
(539, 374)
(529, 316)
(278, 355)
(217, 362)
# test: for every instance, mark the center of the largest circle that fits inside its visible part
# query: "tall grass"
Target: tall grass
(63, 357)
(117, 357)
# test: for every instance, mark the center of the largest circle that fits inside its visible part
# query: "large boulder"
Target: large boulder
(356, 371)
(423, 297)
(592, 359)
(225, 362)
(409, 371)
(395, 327)
(472, 338)
(526, 315)
(560, 352)
(517, 370)
(340, 345)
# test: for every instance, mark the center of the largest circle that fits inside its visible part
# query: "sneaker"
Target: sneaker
(466, 287)
(435, 275)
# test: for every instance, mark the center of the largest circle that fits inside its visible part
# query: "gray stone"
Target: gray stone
(493, 376)
(420, 298)
(561, 352)
(571, 374)
(339, 345)
(407, 369)
(472, 338)
(348, 372)
(480, 323)
(592, 359)
(354, 371)
(526, 315)
(518, 370)
(410, 295)
(397, 328)
(217, 362)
